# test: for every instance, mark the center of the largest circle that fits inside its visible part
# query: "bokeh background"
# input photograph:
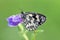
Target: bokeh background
(50, 8)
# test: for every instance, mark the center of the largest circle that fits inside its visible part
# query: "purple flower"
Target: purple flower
(14, 20)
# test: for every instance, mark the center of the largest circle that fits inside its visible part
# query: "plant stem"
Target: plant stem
(25, 36)
(22, 31)
(34, 35)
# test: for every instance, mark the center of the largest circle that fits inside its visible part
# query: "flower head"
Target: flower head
(14, 20)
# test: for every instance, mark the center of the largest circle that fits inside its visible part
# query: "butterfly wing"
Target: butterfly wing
(33, 20)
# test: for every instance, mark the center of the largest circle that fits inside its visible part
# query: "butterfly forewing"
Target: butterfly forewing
(33, 20)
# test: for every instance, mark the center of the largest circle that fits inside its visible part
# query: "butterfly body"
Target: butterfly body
(33, 20)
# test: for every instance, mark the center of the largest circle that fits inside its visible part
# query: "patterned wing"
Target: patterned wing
(33, 20)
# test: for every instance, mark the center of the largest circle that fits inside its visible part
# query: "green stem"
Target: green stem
(34, 35)
(25, 36)
(22, 31)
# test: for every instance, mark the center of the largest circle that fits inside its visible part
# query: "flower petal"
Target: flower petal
(14, 20)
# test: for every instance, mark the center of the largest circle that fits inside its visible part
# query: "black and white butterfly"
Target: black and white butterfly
(32, 20)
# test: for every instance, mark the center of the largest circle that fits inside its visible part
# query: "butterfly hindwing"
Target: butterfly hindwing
(33, 20)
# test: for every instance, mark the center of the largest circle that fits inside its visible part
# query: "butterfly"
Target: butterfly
(32, 20)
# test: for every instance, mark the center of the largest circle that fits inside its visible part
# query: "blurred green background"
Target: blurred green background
(50, 8)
